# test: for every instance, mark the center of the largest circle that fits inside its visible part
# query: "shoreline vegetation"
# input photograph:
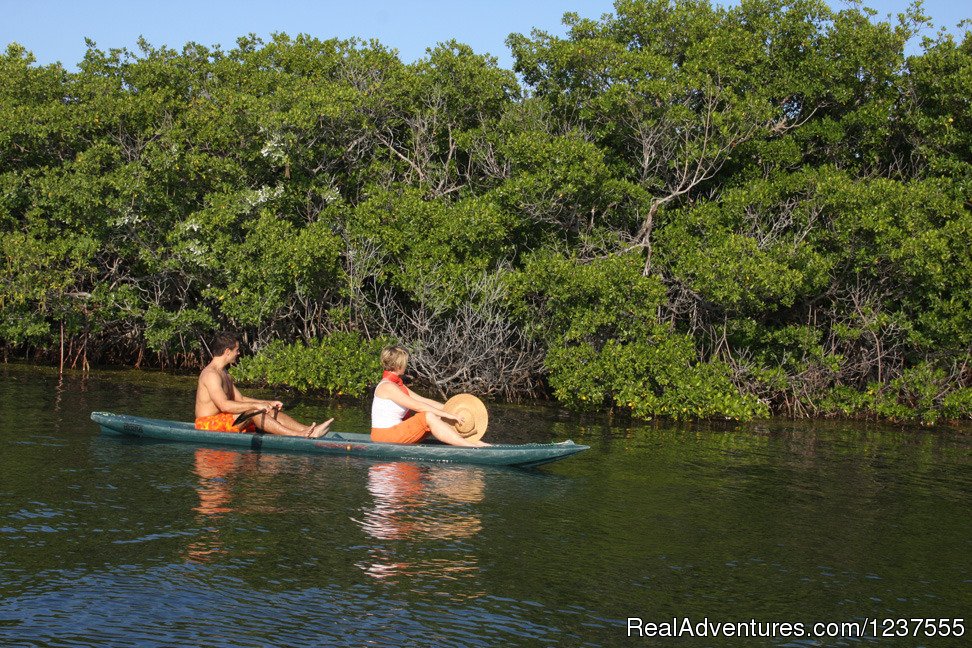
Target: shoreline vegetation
(184, 380)
(678, 210)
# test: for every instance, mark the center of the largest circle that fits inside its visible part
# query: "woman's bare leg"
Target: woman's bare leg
(447, 434)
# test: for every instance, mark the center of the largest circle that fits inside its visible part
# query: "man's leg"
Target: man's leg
(287, 421)
(287, 426)
(314, 430)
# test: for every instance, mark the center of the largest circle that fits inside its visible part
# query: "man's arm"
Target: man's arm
(214, 387)
(239, 397)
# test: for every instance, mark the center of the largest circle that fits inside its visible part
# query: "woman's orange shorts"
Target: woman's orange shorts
(223, 422)
(411, 430)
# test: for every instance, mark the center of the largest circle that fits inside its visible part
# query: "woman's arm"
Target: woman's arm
(427, 401)
(412, 401)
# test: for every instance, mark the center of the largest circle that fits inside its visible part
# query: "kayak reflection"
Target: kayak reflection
(415, 505)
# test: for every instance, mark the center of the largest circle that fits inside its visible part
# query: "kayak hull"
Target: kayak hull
(338, 443)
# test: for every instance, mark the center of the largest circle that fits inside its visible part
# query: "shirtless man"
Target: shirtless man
(219, 402)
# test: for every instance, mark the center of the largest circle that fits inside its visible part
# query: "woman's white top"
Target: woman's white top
(386, 413)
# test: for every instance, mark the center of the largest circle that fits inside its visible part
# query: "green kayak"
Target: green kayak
(338, 443)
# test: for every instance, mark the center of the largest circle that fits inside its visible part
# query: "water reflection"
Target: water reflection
(218, 472)
(213, 468)
(413, 505)
(827, 520)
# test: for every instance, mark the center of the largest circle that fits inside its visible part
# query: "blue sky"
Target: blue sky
(55, 30)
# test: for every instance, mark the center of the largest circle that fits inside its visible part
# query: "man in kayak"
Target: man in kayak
(219, 402)
(392, 409)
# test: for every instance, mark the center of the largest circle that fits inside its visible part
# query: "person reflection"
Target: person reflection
(212, 468)
(216, 470)
(414, 505)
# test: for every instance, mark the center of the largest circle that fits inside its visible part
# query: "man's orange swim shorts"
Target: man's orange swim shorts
(223, 422)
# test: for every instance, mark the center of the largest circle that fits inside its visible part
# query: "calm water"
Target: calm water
(110, 542)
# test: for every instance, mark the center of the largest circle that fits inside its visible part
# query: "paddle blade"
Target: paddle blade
(245, 416)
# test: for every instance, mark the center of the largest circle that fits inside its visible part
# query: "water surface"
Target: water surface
(114, 542)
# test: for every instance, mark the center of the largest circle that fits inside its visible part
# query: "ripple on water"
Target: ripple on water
(169, 605)
(127, 543)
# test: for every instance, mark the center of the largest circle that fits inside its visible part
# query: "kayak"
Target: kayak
(338, 443)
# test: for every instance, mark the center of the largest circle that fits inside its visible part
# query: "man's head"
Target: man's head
(225, 344)
(394, 358)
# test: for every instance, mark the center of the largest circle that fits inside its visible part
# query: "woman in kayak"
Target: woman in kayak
(399, 415)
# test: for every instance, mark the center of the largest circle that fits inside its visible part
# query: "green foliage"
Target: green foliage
(749, 252)
(921, 393)
(570, 300)
(658, 377)
(607, 347)
(678, 209)
(958, 404)
(431, 247)
(338, 364)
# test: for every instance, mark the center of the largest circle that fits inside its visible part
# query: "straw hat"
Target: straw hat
(473, 410)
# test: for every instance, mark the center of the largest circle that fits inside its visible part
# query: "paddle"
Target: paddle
(246, 416)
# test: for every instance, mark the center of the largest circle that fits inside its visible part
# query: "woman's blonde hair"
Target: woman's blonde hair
(394, 358)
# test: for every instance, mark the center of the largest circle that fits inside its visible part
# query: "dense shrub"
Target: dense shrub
(677, 209)
(338, 364)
